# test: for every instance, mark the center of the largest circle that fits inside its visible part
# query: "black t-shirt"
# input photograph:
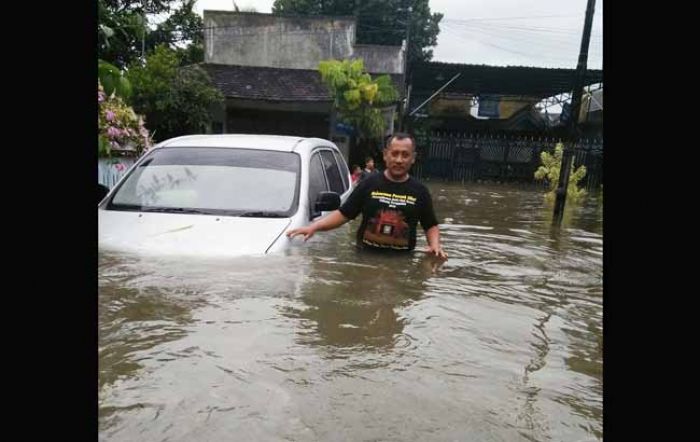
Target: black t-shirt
(390, 212)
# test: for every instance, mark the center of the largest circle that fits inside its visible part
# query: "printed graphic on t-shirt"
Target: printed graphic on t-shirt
(387, 228)
(392, 199)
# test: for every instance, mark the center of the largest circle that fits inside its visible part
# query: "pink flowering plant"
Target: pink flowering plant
(120, 128)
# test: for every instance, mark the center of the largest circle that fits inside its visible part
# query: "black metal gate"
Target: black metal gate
(473, 157)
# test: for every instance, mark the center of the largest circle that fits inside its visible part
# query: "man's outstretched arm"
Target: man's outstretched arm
(331, 221)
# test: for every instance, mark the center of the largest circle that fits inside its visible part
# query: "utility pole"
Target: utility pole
(406, 94)
(143, 33)
(572, 124)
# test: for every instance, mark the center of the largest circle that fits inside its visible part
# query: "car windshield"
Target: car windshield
(239, 182)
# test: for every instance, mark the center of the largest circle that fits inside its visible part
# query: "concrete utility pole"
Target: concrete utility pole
(572, 124)
(406, 93)
(143, 32)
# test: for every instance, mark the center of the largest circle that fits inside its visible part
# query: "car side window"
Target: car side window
(332, 172)
(344, 172)
(317, 182)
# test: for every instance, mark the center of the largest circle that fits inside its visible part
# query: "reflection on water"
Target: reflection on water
(355, 304)
(324, 342)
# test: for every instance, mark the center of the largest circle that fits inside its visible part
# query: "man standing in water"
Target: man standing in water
(392, 203)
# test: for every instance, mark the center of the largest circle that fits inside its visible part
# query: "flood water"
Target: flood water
(503, 342)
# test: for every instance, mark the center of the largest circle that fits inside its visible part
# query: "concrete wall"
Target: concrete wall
(275, 41)
(380, 59)
(292, 42)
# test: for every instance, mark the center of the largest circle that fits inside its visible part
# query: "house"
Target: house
(266, 67)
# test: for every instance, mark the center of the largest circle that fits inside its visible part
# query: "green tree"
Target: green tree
(550, 168)
(175, 100)
(378, 21)
(357, 97)
(112, 80)
(123, 29)
(182, 31)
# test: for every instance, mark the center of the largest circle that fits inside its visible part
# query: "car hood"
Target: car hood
(187, 234)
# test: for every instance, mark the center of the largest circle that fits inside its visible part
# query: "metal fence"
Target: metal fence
(475, 157)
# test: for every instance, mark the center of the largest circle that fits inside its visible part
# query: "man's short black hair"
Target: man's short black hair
(368, 159)
(401, 136)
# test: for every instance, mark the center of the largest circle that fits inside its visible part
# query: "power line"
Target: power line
(528, 55)
(547, 43)
(455, 27)
(558, 44)
(467, 22)
(518, 28)
(511, 18)
(462, 37)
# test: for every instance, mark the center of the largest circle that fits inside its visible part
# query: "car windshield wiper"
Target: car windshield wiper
(262, 214)
(172, 210)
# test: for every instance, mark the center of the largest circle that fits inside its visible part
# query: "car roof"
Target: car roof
(245, 141)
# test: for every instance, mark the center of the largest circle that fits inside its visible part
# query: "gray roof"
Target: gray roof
(274, 84)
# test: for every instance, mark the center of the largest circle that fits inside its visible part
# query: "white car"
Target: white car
(222, 195)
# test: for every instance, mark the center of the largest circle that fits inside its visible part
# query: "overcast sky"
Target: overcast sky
(544, 33)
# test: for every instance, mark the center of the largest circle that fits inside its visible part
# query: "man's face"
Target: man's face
(369, 165)
(399, 157)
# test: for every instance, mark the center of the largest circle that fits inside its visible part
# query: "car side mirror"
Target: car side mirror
(327, 201)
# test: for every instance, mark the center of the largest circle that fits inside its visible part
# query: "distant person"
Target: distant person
(369, 168)
(356, 173)
(392, 204)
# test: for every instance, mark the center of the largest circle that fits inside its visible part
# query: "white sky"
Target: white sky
(544, 33)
